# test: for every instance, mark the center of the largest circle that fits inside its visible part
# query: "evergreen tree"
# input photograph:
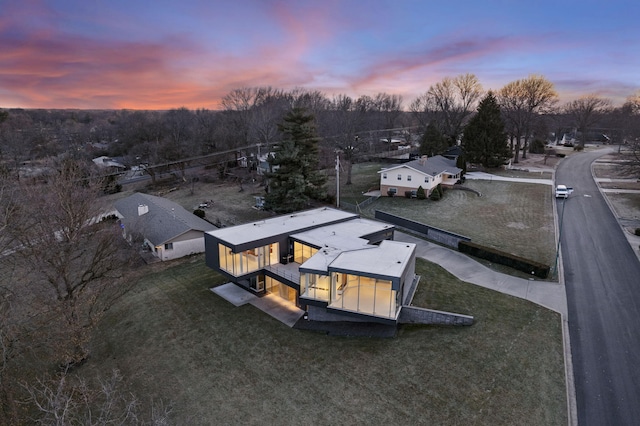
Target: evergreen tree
(433, 142)
(484, 139)
(436, 193)
(296, 179)
(420, 194)
(461, 163)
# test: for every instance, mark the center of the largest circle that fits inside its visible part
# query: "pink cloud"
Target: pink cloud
(53, 69)
(430, 62)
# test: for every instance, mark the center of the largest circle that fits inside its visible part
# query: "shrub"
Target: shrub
(200, 213)
(435, 194)
(497, 256)
(420, 193)
(407, 194)
(637, 232)
(391, 193)
(536, 147)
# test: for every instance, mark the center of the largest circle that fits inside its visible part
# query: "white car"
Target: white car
(562, 191)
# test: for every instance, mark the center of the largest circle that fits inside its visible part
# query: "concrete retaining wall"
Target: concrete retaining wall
(415, 315)
(437, 235)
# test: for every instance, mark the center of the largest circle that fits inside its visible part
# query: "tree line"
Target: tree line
(250, 117)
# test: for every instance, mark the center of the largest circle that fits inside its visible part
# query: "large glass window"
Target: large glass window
(274, 286)
(301, 252)
(314, 286)
(364, 295)
(245, 262)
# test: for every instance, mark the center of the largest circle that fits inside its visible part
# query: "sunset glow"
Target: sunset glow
(168, 54)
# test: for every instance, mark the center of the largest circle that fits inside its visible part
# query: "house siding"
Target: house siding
(189, 243)
(410, 180)
(412, 176)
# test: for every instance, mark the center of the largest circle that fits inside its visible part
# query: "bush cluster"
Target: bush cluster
(496, 256)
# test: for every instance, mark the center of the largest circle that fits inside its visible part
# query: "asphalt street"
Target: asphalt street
(602, 279)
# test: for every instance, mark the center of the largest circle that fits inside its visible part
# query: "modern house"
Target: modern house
(427, 172)
(167, 229)
(333, 264)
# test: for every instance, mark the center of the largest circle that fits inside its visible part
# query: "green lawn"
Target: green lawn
(175, 340)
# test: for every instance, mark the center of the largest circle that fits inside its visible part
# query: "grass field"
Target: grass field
(175, 340)
(510, 216)
(513, 217)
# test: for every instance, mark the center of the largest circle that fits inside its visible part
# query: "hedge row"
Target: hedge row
(496, 256)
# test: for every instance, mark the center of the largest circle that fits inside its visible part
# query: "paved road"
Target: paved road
(602, 279)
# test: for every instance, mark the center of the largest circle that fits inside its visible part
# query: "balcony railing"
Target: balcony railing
(289, 271)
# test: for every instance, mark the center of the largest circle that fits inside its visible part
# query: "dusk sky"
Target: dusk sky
(161, 54)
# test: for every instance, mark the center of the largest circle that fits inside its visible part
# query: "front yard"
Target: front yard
(175, 340)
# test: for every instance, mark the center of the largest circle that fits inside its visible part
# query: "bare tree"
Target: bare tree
(238, 105)
(347, 117)
(585, 111)
(450, 103)
(178, 124)
(522, 101)
(66, 400)
(75, 261)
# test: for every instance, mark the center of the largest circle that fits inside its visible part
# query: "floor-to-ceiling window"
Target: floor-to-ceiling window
(302, 252)
(315, 286)
(247, 261)
(274, 286)
(363, 294)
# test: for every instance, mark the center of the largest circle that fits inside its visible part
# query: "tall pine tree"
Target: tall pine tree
(433, 142)
(484, 139)
(296, 179)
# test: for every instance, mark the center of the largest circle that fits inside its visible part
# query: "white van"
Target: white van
(562, 191)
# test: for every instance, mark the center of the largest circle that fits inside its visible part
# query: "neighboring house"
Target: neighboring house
(109, 163)
(427, 172)
(333, 264)
(166, 228)
(453, 152)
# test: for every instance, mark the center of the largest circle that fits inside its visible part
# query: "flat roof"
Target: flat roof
(335, 239)
(388, 259)
(285, 224)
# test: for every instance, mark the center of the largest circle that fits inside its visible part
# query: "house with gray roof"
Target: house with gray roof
(166, 228)
(427, 172)
(333, 264)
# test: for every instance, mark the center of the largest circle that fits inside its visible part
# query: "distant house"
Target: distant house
(166, 228)
(453, 152)
(427, 172)
(333, 264)
(109, 163)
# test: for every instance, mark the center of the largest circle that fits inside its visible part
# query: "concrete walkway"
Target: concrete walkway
(551, 295)
(285, 312)
(490, 177)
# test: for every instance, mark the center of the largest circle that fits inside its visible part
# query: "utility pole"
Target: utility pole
(338, 180)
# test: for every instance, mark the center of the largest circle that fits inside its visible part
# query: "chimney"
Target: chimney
(423, 160)
(142, 209)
